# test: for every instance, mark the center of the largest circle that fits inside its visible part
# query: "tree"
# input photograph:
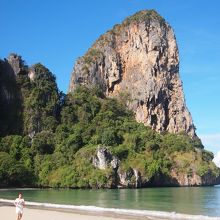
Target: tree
(42, 106)
(43, 143)
(13, 173)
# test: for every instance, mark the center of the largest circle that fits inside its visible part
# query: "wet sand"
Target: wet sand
(8, 213)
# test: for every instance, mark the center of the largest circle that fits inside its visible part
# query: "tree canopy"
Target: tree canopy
(58, 136)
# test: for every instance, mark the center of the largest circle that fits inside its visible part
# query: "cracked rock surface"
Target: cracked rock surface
(139, 58)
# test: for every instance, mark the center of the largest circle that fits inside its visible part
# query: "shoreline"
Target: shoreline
(92, 212)
(35, 213)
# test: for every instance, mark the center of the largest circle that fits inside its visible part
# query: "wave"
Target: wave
(18, 189)
(123, 212)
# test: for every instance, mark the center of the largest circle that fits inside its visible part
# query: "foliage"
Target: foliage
(43, 143)
(58, 135)
(144, 15)
(92, 55)
(10, 121)
(13, 173)
(41, 106)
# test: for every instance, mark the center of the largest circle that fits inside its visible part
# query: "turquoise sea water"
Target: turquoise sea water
(185, 200)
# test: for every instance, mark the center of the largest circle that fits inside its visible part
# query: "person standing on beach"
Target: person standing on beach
(19, 204)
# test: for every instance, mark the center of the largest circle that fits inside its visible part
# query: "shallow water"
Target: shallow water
(194, 201)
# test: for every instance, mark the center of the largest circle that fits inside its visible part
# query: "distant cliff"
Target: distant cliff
(90, 138)
(10, 96)
(139, 58)
(25, 101)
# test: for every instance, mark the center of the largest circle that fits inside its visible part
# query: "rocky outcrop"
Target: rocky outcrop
(104, 159)
(139, 58)
(184, 179)
(13, 73)
(133, 178)
(9, 95)
(13, 65)
(15, 62)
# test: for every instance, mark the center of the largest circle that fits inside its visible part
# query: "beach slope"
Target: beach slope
(8, 212)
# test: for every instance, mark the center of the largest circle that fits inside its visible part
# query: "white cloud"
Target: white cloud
(216, 159)
(212, 143)
(211, 140)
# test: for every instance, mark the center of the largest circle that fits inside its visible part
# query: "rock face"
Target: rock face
(15, 62)
(9, 68)
(9, 94)
(139, 58)
(134, 179)
(104, 159)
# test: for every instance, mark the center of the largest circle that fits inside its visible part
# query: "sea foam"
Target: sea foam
(123, 212)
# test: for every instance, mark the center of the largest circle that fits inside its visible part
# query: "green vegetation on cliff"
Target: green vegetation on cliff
(144, 15)
(10, 101)
(59, 136)
(41, 101)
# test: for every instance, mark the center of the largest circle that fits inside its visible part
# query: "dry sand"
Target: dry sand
(8, 213)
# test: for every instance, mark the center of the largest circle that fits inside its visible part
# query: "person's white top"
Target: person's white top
(19, 203)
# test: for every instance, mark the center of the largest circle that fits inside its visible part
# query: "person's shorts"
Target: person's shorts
(19, 210)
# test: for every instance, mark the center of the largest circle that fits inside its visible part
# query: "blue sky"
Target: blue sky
(56, 32)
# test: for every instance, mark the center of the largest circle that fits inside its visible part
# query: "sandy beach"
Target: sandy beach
(8, 213)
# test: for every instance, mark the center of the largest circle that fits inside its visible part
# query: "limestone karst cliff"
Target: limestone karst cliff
(89, 140)
(10, 95)
(26, 96)
(139, 58)
(86, 140)
(8, 71)
(133, 177)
